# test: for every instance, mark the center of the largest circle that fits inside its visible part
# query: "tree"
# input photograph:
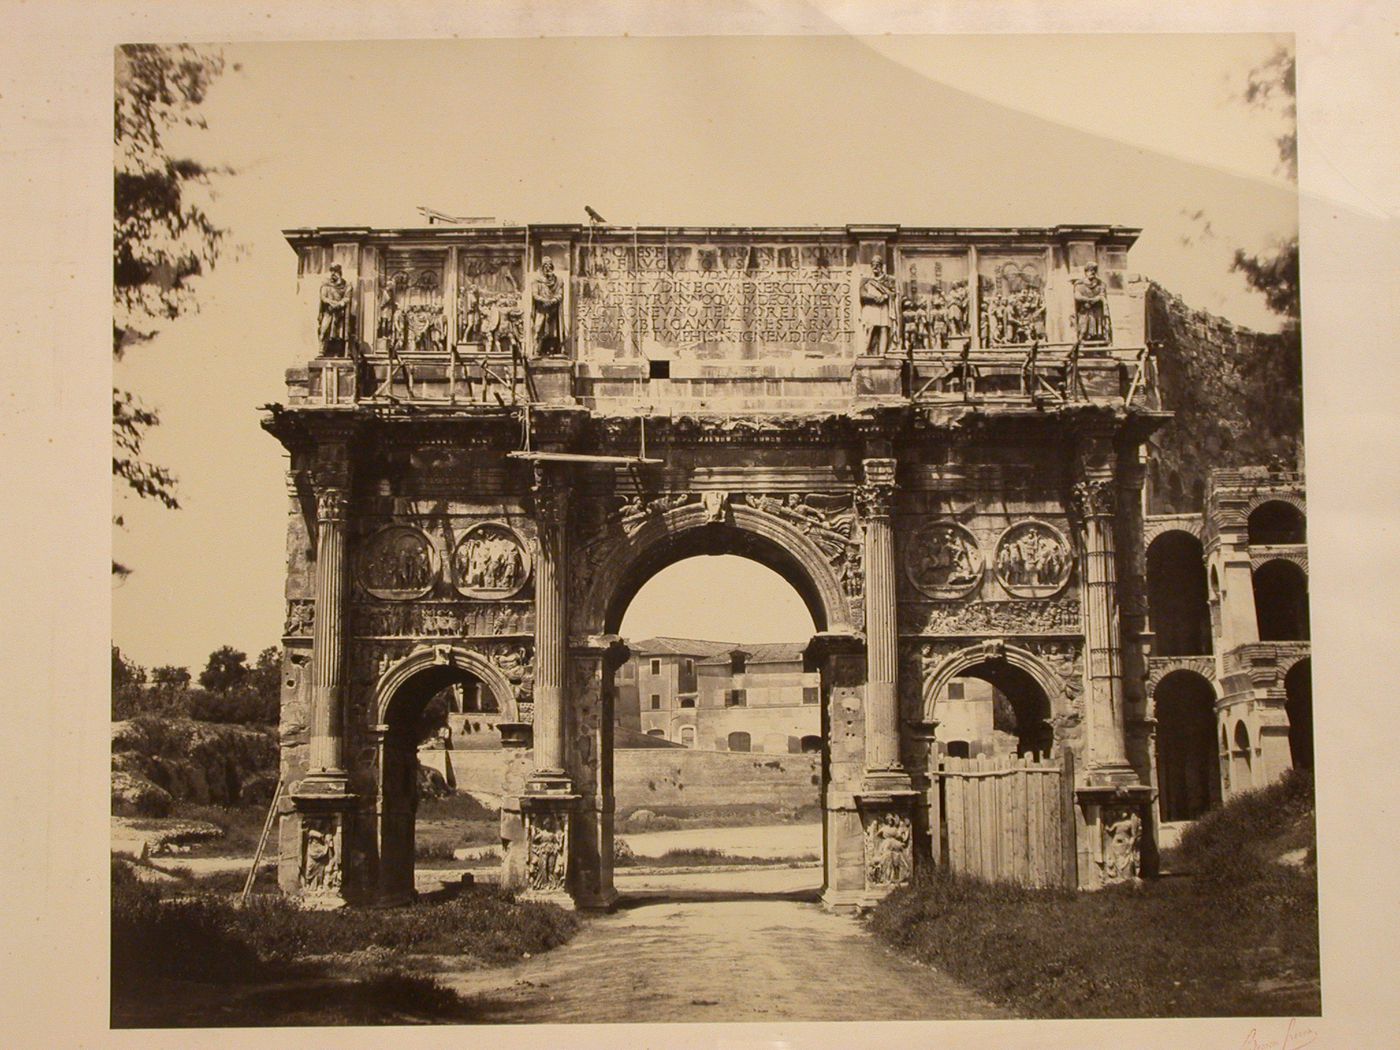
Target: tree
(162, 237)
(227, 668)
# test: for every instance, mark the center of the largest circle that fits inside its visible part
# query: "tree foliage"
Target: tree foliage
(162, 236)
(229, 690)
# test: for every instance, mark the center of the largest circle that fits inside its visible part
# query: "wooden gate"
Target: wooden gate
(1007, 819)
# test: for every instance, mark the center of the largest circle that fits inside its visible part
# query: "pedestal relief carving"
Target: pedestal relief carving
(943, 560)
(1033, 560)
(1122, 840)
(547, 859)
(889, 852)
(398, 563)
(320, 857)
(490, 562)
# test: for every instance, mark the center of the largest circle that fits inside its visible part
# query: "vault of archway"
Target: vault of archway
(688, 532)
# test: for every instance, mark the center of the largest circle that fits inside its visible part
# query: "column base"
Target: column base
(1113, 774)
(603, 901)
(324, 784)
(891, 782)
(549, 783)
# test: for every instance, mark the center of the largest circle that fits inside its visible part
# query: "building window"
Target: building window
(739, 742)
(959, 749)
(687, 701)
(656, 701)
(689, 666)
(810, 694)
(656, 667)
(656, 732)
(955, 690)
(736, 698)
(737, 662)
(687, 736)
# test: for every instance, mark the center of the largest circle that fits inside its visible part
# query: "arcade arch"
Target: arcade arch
(1177, 601)
(1281, 601)
(994, 702)
(1276, 522)
(1297, 687)
(1188, 780)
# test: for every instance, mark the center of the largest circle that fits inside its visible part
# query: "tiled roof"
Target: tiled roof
(678, 647)
(763, 653)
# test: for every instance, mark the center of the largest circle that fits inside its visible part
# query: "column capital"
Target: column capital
(1094, 497)
(875, 493)
(549, 496)
(332, 504)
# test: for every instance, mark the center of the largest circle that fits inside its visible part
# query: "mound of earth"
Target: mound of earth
(157, 761)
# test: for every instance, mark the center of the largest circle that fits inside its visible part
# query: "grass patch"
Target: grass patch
(1239, 937)
(171, 947)
(704, 857)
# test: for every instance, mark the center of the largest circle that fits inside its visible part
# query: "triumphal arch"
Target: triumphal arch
(498, 433)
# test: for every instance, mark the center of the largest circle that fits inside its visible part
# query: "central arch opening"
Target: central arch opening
(439, 777)
(993, 709)
(718, 739)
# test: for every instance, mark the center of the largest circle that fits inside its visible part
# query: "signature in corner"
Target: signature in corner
(1295, 1037)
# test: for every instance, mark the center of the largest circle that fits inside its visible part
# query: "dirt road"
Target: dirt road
(742, 946)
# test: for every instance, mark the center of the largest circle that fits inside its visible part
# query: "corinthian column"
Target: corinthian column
(875, 498)
(1094, 499)
(328, 641)
(550, 500)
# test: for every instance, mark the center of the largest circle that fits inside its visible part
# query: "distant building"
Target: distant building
(721, 696)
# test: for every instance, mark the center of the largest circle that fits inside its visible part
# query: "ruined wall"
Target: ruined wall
(1236, 393)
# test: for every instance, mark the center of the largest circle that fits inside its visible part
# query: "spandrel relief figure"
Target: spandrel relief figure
(1092, 323)
(548, 296)
(877, 304)
(333, 314)
(1122, 830)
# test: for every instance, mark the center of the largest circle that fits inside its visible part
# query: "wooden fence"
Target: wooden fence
(1007, 819)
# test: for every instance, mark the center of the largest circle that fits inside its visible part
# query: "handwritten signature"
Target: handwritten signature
(1295, 1037)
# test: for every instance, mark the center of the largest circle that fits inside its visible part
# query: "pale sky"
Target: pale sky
(1142, 131)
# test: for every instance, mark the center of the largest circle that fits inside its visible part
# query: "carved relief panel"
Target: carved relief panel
(1012, 294)
(490, 561)
(889, 848)
(547, 857)
(1033, 560)
(412, 316)
(934, 301)
(943, 560)
(398, 562)
(321, 850)
(490, 299)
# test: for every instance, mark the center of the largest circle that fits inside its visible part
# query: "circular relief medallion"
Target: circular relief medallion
(490, 562)
(1033, 560)
(943, 561)
(398, 562)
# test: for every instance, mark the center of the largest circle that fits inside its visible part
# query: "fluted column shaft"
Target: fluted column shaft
(328, 634)
(551, 623)
(875, 498)
(1095, 498)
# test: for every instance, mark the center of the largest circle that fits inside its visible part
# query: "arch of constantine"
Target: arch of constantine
(500, 433)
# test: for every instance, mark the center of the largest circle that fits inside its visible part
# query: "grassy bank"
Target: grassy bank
(703, 857)
(177, 956)
(1235, 935)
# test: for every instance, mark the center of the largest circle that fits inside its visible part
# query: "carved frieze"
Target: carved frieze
(1055, 616)
(398, 563)
(439, 619)
(943, 560)
(490, 562)
(889, 848)
(547, 853)
(1033, 560)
